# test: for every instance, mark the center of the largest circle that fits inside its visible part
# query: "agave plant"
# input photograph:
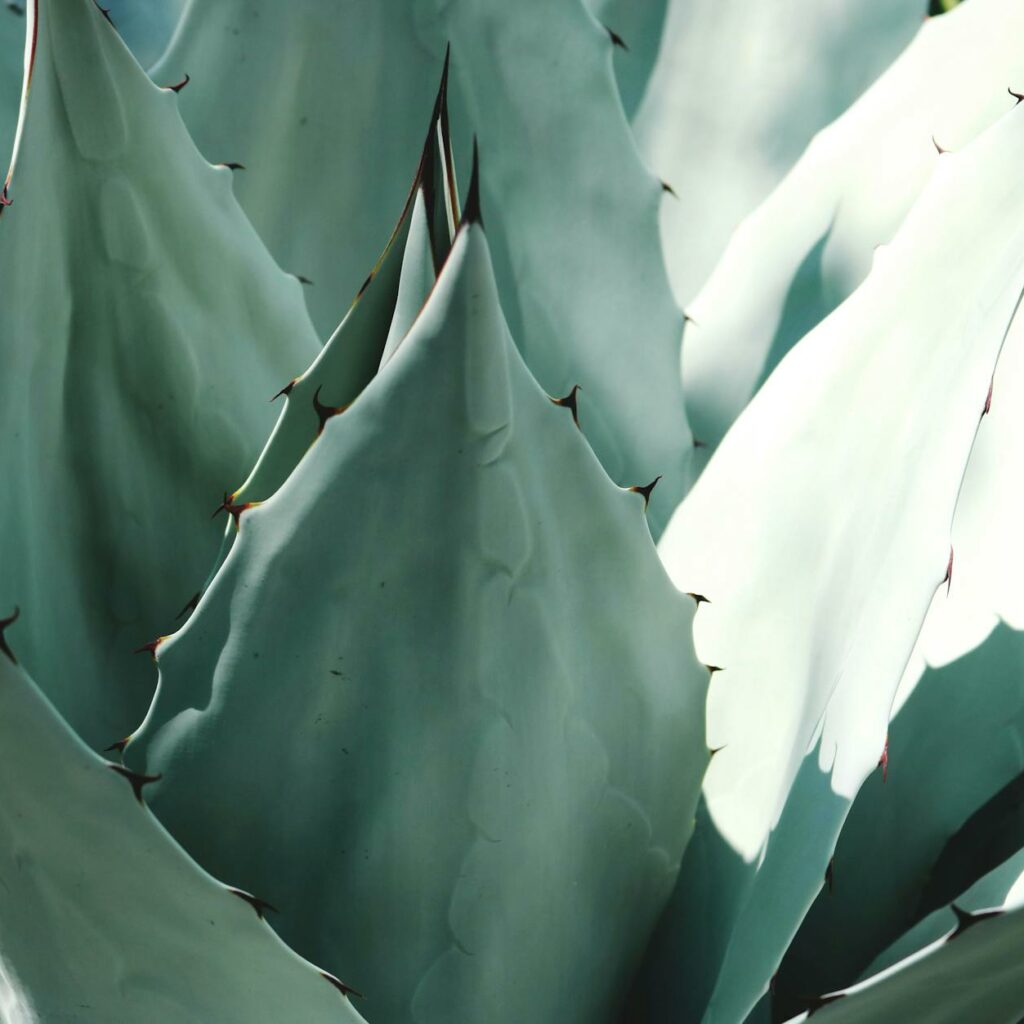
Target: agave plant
(416, 635)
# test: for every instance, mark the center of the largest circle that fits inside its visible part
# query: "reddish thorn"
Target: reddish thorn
(646, 490)
(118, 746)
(233, 510)
(137, 781)
(569, 402)
(303, 280)
(260, 906)
(4, 623)
(190, 605)
(233, 166)
(345, 990)
(179, 86)
(967, 919)
(325, 412)
(286, 390)
(5, 199)
(698, 598)
(616, 39)
(666, 187)
(948, 578)
(988, 400)
(938, 148)
(151, 646)
(1018, 96)
(830, 874)
(883, 761)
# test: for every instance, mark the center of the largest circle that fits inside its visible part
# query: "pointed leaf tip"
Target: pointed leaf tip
(4, 623)
(471, 213)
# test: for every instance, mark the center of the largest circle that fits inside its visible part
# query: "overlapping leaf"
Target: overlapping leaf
(323, 103)
(143, 329)
(441, 696)
(824, 525)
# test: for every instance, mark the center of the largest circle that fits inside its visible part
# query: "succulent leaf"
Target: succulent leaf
(444, 652)
(134, 292)
(844, 555)
(105, 919)
(737, 92)
(812, 241)
(578, 217)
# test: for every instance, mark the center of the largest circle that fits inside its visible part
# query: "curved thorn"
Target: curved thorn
(471, 213)
(938, 149)
(325, 412)
(303, 280)
(177, 87)
(698, 443)
(136, 779)
(105, 11)
(883, 761)
(699, 599)
(4, 623)
(616, 39)
(1018, 96)
(118, 746)
(5, 199)
(232, 166)
(645, 490)
(948, 578)
(260, 906)
(988, 400)
(666, 187)
(968, 919)
(569, 402)
(714, 750)
(286, 390)
(712, 669)
(345, 990)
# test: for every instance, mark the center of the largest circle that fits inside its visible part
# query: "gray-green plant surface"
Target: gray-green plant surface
(493, 691)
